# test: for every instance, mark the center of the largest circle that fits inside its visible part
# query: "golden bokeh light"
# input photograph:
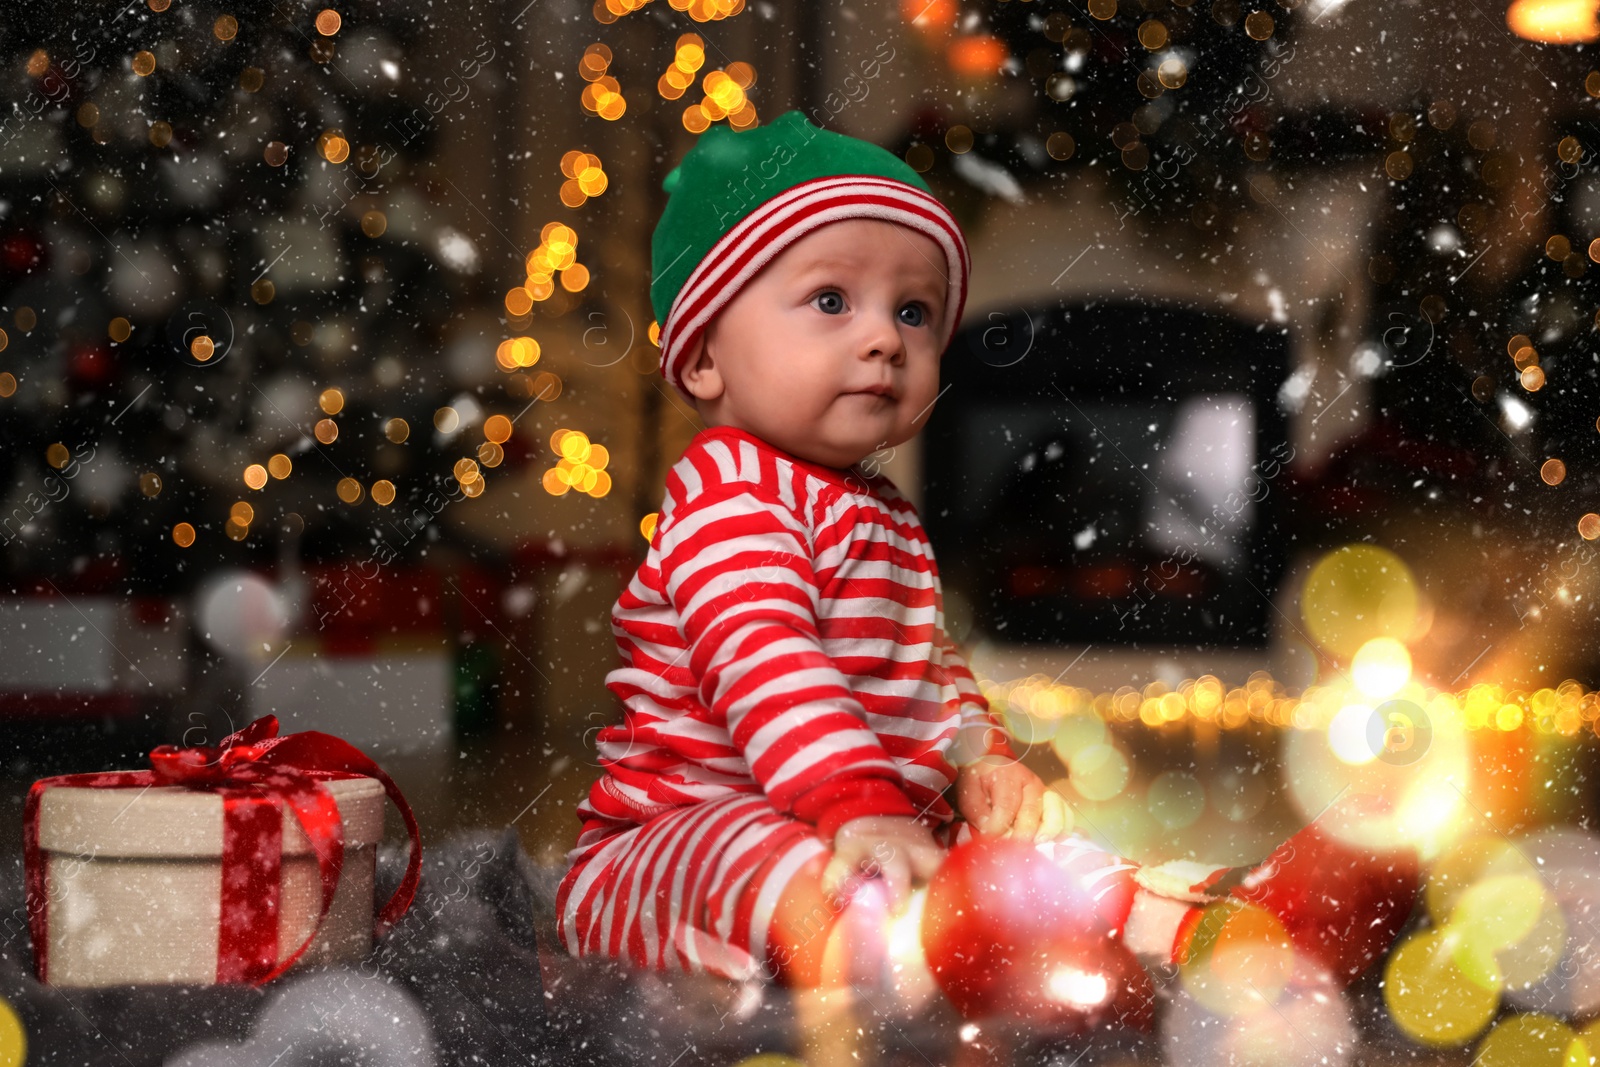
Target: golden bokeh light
(1099, 771)
(1554, 21)
(255, 476)
(333, 146)
(1533, 1040)
(326, 431)
(1380, 668)
(349, 490)
(546, 386)
(279, 466)
(575, 278)
(554, 483)
(1357, 593)
(383, 492)
(1153, 35)
(183, 535)
(397, 430)
(1428, 995)
(1259, 25)
(574, 446)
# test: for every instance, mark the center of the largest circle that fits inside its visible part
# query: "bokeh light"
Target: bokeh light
(1428, 995)
(1357, 593)
(1381, 667)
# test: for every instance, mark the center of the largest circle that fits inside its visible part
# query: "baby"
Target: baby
(795, 713)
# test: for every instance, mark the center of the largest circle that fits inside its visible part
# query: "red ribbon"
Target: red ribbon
(258, 774)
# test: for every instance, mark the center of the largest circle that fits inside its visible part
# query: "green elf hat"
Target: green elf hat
(741, 197)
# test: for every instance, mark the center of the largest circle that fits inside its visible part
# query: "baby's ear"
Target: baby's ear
(700, 374)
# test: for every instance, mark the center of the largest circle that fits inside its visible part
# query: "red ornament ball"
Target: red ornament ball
(1341, 904)
(1006, 931)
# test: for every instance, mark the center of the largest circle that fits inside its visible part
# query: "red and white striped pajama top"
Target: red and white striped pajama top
(785, 669)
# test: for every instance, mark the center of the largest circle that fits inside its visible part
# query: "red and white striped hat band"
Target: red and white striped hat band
(760, 236)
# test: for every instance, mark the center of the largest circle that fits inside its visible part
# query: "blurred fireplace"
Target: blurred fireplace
(1111, 473)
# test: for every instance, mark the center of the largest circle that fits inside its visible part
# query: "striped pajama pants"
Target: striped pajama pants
(695, 889)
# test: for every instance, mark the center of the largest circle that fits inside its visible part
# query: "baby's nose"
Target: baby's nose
(884, 339)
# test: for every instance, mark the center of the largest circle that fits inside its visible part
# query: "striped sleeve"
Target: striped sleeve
(736, 566)
(980, 733)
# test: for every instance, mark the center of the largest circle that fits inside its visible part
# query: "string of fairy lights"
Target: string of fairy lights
(1034, 706)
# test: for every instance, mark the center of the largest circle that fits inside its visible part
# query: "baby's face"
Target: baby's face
(832, 351)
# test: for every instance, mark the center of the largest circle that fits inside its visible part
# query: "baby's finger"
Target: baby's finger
(924, 860)
(1005, 796)
(1029, 810)
(896, 872)
(834, 876)
(975, 806)
(1053, 821)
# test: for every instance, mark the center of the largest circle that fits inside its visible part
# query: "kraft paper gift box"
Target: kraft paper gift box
(224, 878)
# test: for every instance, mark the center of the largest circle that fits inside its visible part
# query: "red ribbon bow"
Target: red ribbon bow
(258, 774)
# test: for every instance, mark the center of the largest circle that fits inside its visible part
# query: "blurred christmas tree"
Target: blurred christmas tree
(225, 304)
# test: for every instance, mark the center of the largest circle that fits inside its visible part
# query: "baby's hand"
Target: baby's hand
(1002, 798)
(896, 847)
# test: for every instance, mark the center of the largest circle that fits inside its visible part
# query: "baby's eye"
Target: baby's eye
(830, 303)
(913, 315)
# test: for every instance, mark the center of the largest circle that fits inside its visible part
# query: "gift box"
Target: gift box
(225, 864)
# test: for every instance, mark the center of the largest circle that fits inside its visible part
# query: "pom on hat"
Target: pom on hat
(739, 198)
